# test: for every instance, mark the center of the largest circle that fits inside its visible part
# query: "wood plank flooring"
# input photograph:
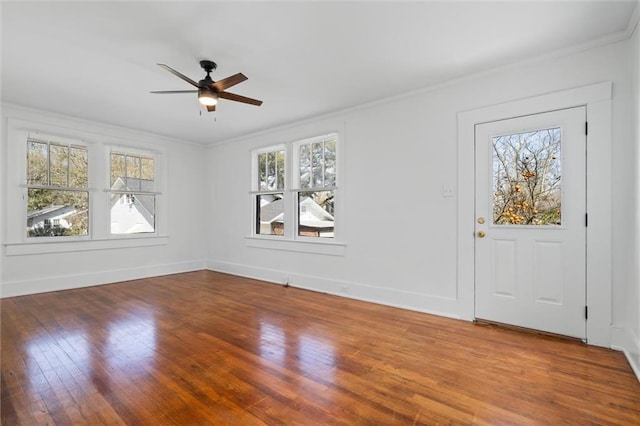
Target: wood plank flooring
(208, 348)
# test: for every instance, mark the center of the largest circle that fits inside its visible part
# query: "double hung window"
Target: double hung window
(133, 193)
(57, 189)
(298, 205)
(315, 189)
(269, 216)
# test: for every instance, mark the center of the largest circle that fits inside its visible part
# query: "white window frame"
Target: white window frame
(256, 191)
(290, 241)
(25, 186)
(295, 146)
(112, 149)
(99, 148)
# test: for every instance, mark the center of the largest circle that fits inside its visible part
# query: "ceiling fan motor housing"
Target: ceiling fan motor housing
(208, 66)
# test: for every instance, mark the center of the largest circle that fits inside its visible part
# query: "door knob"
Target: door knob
(481, 220)
(480, 234)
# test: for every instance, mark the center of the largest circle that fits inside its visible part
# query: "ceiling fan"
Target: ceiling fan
(210, 91)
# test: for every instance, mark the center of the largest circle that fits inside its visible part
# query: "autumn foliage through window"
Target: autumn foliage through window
(527, 177)
(57, 189)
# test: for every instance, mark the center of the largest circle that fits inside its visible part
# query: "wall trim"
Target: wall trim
(66, 282)
(103, 131)
(412, 301)
(558, 53)
(597, 99)
(622, 339)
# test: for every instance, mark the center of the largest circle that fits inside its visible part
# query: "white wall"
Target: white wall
(23, 274)
(627, 295)
(400, 232)
(398, 155)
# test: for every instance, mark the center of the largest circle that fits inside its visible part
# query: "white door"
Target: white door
(531, 222)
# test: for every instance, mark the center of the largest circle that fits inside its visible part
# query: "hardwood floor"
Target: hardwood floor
(208, 348)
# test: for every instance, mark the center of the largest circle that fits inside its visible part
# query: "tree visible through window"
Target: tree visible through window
(57, 189)
(309, 204)
(316, 182)
(270, 196)
(527, 180)
(133, 200)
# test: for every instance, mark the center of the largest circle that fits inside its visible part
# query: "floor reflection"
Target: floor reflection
(125, 348)
(304, 352)
(131, 342)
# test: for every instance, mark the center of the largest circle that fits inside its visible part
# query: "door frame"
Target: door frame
(597, 99)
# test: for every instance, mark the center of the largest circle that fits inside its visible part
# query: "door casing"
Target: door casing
(597, 99)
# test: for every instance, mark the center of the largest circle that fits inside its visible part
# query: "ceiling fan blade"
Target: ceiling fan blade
(177, 74)
(225, 83)
(239, 98)
(174, 91)
(211, 108)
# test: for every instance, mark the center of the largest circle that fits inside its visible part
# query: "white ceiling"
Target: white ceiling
(97, 60)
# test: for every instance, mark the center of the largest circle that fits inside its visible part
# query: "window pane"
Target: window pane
(52, 213)
(527, 178)
(262, 172)
(315, 214)
(280, 169)
(59, 164)
(271, 171)
(118, 169)
(132, 181)
(330, 163)
(133, 173)
(305, 166)
(147, 168)
(133, 167)
(132, 213)
(37, 163)
(317, 165)
(270, 214)
(78, 170)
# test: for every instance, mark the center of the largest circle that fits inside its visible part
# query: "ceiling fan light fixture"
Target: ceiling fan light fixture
(207, 97)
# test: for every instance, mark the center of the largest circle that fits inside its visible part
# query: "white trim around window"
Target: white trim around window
(289, 237)
(98, 148)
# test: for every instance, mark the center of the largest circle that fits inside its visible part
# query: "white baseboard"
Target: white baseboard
(623, 339)
(66, 282)
(445, 307)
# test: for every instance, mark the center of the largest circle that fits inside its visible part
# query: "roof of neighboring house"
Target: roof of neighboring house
(313, 208)
(273, 211)
(314, 216)
(47, 210)
(120, 185)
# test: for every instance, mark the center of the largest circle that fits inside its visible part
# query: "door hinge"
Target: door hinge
(586, 127)
(586, 312)
(586, 219)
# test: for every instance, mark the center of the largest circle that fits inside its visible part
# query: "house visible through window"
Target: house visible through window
(133, 196)
(316, 182)
(309, 208)
(57, 189)
(270, 185)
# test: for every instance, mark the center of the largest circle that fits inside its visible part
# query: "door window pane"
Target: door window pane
(527, 172)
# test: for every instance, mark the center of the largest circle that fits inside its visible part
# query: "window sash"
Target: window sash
(67, 165)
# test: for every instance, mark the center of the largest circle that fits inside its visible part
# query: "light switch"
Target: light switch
(448, 191)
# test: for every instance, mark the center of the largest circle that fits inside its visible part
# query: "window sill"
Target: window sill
(19, 249)
(328, 248)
